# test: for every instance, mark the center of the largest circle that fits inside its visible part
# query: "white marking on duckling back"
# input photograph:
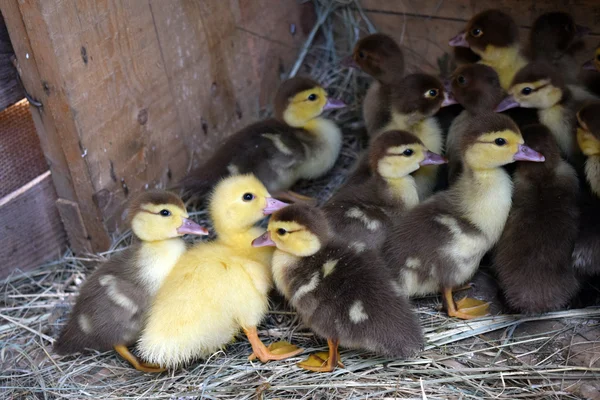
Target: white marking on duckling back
(412, 263)
(306, 288)
(233, 169)
(279, 145)
(328, 267)
(358, 247)
(120, 299)
(371, 224)
(397, 289)
(357, 312)
(85, 324)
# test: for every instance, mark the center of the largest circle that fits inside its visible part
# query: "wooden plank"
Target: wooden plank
(30, 228)
(70, 215)
(10, 89)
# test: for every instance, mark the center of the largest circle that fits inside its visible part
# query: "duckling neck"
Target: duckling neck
(592, 173)
(403, 190)
(323, 148)
(156, 259)
(426, 129)
(557, 119)
(241, 241)
(485, 198)
(507, 61)
(282, 264)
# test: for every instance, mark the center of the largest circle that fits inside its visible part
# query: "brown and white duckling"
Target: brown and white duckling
(555, 38)
(438, 245)
(586, 256)
(298, 143)
(113, 302)
(533, 256)
(348, 298)
(361, 211)
(494, 36)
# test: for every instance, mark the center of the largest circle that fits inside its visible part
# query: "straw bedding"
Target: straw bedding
(552, 356)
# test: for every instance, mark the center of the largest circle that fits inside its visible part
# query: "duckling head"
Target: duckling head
(555, 31)
(537, 85)
(300, 100)
(396, 154)
(160, 215)
(419, 95)
(477, 87)
(493, 140)
(588, 129)
(487, 31)
(240, 201)
(300, 230)
(379, 56)
(593, 64)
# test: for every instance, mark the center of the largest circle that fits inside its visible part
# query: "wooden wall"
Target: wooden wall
(136, 92)
(424, 27)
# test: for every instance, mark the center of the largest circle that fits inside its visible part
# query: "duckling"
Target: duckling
(590, 75)
(586, 256)
(555, 38)
(533, 256)
(494, 36)
(218, 287)
(439, 243)
(348, 298)
(361, 211)
(298, 143)
(111, 307)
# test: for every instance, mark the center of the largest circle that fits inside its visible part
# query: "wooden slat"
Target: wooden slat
(30, 228)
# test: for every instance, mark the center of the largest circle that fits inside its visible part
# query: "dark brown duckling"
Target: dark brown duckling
(533, 256)
(438, 245)
(113, 302)
(297, 143)
(361, 211)
(494, 36)
(348, 298)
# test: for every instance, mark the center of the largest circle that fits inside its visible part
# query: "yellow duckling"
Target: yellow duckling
(216, 288)
(112, 305)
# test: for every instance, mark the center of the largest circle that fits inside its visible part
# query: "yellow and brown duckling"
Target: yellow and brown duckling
(494, 36)
(219, 287)
(533, 256)
(586, 256)
(555, 38)
(348, 298)
(113, 302)
(438, 245)
(361, 211)
(297, 144)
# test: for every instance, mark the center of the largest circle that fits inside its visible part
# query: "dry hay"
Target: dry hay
(550, 356)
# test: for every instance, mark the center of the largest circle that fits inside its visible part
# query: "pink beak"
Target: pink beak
(273, 205)
(459, 40)
(506, 104)
(263, 240)
(448, 99)
(589, 64)
(526, 153)
(189, 227)
(332, 104)
(432, 159)
(349, 62)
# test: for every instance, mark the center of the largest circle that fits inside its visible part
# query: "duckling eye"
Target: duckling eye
(408, 152)
(476, 32)
(361, 54)
(165, 213)
(500, 142)
(312, 97)
(526, 91)
(431, 93)
(248, 197)
(461, 80)
(281, 231)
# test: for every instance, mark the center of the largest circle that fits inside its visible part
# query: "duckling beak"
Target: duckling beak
(263, 240)
(273, 205)
(448, 99)
(349, 62)
(526, 153)
(589, 64)
(432, 159)
(332, 104)
(506, 104)
(189, 227)
(581, 31)
(459, 40)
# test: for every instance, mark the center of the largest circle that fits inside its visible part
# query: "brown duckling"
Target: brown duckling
(361, 210)
(297, 143)
(555, 38)
(494, 36)
(533, 256)
(348, 298)
(586, 256)
(113, 302)
(438, 245)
